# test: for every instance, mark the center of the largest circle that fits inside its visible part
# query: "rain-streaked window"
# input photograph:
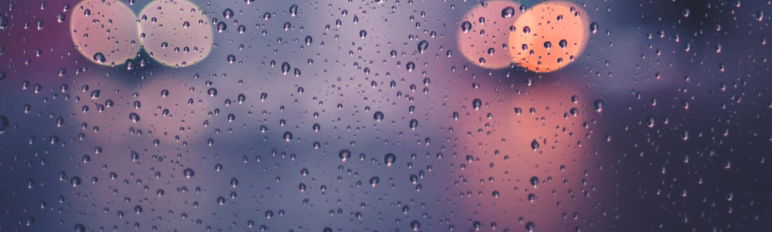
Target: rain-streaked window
(385, 115)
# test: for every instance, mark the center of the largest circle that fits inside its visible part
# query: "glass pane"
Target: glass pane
(385, 115)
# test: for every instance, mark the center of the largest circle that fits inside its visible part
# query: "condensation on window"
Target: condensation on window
(385, 115)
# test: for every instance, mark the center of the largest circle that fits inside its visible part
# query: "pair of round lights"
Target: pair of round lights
(175, 33)
(544, 38)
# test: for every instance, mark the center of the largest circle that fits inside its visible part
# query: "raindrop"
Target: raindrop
(227, 13)
(344, 155)
(534, 145)
(598, 105)
(476, 104)
(422, 46)
(378, 116)
(594, 27)
(389, 159)
(374, 181)
(508, 12)
(413, 124)
(530, 227)
(188, 173)
(534, 181)
(134, 117)
(293, 10)
(466, 26)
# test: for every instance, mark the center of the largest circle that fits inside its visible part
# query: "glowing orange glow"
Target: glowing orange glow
(104, 31)
(483, 33)
(539, 135)
(549, 36)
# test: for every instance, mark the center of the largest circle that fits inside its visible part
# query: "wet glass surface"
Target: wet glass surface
(385, 115)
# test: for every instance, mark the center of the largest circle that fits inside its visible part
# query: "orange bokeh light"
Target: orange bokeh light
(483, 33)
(549, 36)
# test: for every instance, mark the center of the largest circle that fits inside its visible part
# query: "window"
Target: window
(385, 115)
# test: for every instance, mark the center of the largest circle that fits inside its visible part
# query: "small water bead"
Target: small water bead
(3, 22)
(413, 124)
(285, 68)
(410, 66)
(476, 104)
(374, 181)
(75, 181)
(530, 226)
(534, 145)
(389, 159)
(134, 117)
(508, 12)
(4, 122)
(227, 13)
(685, 12)
(415, 225)
(134, 156)
(221, 27)
(534, 181)
(598, 105)
(594, 27)
(188, 173)
(378, 116)
(466, 26)
(547, 45)
(293, 10)
(99, 58)
(234, 182)
(79, 228)
(241, 98)
(344, 155)
(422, 46)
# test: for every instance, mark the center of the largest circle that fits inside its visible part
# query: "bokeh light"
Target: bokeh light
(175, 33)
(549, 36)
(483, 33)
(104, 31)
